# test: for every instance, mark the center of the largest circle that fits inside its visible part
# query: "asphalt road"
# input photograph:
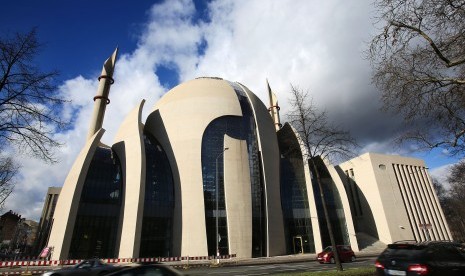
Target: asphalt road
(238, 269)
(270, 269)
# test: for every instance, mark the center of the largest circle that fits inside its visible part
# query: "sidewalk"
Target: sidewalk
(262, 260)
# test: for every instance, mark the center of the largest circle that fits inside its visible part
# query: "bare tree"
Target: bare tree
(321, 138)
(456, 200)
(419, 65)
(29, 106)
(29, 101)
(441, 192)
(452, 199)
(8, 170)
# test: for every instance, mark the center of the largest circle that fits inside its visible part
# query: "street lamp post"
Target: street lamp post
(216, 200)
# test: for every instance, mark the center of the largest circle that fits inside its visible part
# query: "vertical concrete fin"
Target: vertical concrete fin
(238, 197)
(130, 148)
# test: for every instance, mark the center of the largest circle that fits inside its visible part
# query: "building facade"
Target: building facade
(392, 198)
(8, 223)
(46, 219)
(17, 235)
(211, 171)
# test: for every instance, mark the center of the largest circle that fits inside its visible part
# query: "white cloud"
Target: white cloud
(313, 44)
(441, 173)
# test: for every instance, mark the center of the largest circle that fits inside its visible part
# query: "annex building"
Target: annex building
(212, 171)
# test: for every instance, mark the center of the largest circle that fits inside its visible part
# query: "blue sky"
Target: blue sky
(77, 34)
(315, 45)
(63, 26)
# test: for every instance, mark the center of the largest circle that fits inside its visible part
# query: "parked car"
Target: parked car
(346, 254)
(91, 267)
(425, 258)
(147, 270)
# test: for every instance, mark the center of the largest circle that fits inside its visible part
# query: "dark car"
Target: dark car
(426, 258)
(92, 267)
(346, 254)
(147, 270)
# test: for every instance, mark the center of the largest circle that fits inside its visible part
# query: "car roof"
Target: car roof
(418, 245)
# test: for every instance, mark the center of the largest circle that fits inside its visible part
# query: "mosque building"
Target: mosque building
(210, 173)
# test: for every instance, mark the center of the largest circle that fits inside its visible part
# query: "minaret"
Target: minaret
(274, 108)
(101, 99)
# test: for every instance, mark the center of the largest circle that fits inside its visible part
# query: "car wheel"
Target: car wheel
(332, 260)
(352, 259)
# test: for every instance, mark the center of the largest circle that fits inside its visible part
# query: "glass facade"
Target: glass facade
(294, 197)
(157, 222)
(46, 222)
(97, 219)
(241, 128)
(333, 204)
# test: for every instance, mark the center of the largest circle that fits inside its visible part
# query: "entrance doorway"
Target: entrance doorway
(298, 245)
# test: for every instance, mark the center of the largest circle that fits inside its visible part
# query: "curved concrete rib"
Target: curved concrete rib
(269, 150)
(238, 197)
(130, 148)
(345, 205)
(68, 201)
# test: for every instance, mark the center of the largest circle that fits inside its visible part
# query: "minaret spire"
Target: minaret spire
(101, 98)
(274, 107)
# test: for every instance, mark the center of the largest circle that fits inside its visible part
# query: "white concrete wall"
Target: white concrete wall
(393, 224)
(238, 197)
(400, 196)
(130, 148)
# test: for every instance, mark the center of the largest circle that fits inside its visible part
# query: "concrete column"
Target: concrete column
(238, 197)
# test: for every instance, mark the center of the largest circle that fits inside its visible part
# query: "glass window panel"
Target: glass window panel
(157, 223)
(99, 208)
(334, 206)
(294, 197)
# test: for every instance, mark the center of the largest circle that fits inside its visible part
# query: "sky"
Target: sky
(314, 45)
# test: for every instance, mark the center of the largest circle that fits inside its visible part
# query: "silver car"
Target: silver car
(92, 267)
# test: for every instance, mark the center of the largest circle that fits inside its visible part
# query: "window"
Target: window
(99, 208)
(294, 197)
(157, 222)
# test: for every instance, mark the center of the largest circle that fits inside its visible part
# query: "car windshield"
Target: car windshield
(88, 263)
(328, 249)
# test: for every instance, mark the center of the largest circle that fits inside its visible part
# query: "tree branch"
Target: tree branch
(433, 45)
